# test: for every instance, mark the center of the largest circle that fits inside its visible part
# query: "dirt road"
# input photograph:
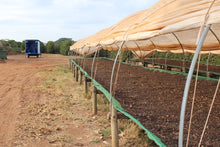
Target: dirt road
(16, 79)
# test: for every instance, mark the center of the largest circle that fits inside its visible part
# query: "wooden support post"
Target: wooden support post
(72, 66)
(114, 128)
(70, 63)
(74, 70)
(184, 68)
(165, 67)
(86, 85)
(94, 99)
(77, 74)
(208, 74)
(80, 79)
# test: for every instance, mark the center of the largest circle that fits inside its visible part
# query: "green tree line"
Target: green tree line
(61, 46)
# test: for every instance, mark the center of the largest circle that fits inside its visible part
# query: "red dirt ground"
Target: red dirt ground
(16, 77)
(32, 116)
(154, 98)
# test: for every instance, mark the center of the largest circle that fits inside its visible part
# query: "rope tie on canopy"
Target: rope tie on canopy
(213, 100)
(204, 22)
(139, 50)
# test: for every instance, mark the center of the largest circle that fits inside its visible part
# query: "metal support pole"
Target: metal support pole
(187, 85)
(94, 99)
(77, 74)
(114, 124)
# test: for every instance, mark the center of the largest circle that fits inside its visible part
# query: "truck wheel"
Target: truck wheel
(37, 56)
(28, 56)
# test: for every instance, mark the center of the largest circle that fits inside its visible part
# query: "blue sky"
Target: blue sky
(52, 19)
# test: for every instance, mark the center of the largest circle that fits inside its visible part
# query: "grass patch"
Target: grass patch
(95, 141)
(106, 132)
(67, 139)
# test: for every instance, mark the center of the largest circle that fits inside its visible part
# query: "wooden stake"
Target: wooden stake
(77, 74)
(208, 74)
(165, 67)
(114, 128)
(80, 79)
(94, 99)
(184, 68)
(69, 63)
(74, 71)
(86, 85)
(71, 66)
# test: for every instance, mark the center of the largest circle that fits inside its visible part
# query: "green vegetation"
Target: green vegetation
(50, 48)
(11, 46)
(125, 55)
(213, 59)
(61, 46)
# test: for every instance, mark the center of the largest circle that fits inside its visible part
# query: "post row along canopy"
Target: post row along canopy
(169, 25)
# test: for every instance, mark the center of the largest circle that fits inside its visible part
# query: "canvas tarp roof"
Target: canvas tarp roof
(170, 25)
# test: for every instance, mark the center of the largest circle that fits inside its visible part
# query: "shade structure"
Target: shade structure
(169, 25)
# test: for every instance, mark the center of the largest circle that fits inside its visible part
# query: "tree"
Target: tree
(50, 47)
(57, 48)
(43, 47)
(23, 45)
(65, 46)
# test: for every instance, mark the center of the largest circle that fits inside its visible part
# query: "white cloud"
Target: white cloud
(51, 19)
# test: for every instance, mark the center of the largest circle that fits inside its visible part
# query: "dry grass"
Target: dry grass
(62, 102)
(130, 134)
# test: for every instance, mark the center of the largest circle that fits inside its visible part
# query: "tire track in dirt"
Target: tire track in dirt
(9, 106)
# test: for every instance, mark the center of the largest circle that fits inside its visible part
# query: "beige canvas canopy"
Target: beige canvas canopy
(170, 25)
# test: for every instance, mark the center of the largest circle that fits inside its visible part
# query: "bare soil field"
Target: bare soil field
(154, 98)
(41, 105)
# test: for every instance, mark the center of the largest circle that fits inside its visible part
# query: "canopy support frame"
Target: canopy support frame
(188, 82)
(154, 52)
(93, 61)
(184, 54)
(165, 67)
(114, 124)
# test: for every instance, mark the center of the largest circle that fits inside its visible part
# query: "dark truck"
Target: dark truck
(32, 48)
